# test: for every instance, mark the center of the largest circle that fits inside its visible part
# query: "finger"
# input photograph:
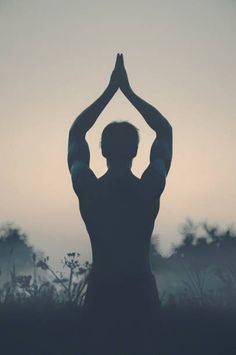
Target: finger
(122, 59)
(117, 60)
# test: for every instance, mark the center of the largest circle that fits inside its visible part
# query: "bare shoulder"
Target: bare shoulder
(84, 180)
(153, 179)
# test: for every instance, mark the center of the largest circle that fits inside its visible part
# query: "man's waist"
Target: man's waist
(120, 276)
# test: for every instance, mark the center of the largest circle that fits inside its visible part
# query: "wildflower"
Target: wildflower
(42, 264)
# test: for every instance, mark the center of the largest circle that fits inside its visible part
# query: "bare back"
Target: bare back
(119, 215)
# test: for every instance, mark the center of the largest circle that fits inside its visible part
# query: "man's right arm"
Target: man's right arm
(161, 151)
(162, 145)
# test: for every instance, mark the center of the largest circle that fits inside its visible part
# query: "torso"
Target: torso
(121, 300)
(119, 217)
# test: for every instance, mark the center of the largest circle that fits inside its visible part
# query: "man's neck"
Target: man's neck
(119, 168)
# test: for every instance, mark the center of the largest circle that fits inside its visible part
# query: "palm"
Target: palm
(124, 81)
(119, 76)
(114, 81)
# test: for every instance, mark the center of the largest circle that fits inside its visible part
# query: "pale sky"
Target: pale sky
(56, 58)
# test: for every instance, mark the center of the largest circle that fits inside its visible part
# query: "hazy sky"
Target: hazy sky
(56, 57)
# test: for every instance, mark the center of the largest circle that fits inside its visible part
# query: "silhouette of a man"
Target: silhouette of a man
(119, 211)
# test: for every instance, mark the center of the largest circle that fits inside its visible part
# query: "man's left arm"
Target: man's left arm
(78, 151)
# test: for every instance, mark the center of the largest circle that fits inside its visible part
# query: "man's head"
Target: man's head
(120, 141)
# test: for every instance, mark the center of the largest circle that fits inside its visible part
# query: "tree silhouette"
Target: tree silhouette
(15, 251)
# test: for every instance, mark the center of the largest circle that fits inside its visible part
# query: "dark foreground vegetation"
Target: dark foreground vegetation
(55, 329)
(40, 309)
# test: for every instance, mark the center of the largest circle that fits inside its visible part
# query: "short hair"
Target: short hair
(120, 140)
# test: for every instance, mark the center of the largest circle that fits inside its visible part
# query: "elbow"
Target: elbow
(168, 126)
(165, 130)
(71, 133)
(76, 134)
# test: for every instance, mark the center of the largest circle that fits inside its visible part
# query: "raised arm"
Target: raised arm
(78, 151)
(161, 151)
(162, 145)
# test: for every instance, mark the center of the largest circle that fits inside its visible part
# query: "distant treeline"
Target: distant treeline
(201, 269)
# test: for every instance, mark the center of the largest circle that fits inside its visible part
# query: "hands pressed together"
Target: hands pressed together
(119, 77)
